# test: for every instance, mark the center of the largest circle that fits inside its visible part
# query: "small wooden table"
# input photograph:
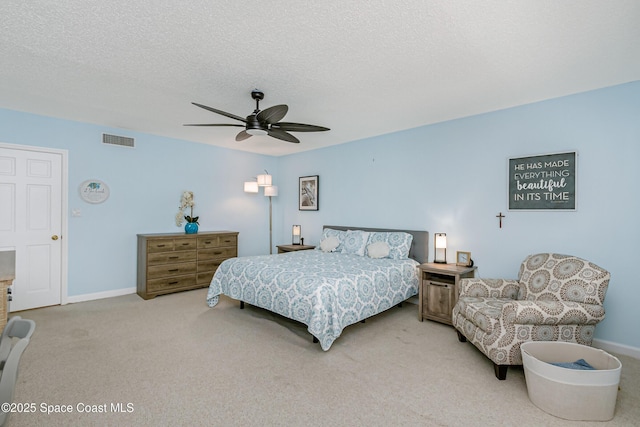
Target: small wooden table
(7, 276)
(439, 290)
(5, 282)
(291, 248)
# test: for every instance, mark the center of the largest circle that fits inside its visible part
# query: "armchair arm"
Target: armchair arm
(546, 312)
(489, 288)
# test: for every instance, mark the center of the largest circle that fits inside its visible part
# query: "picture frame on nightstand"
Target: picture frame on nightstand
(463, 259)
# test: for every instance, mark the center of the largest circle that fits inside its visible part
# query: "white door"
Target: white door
(31, 223)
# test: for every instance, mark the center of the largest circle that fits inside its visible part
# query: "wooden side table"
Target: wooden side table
(439, 289)
(291, 248)
(7, 276)
(5, 282)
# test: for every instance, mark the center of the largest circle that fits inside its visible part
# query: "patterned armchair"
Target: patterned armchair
(556, 298)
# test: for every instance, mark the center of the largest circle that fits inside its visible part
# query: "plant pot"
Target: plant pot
(191, 228)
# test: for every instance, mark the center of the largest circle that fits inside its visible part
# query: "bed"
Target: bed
(367, 271)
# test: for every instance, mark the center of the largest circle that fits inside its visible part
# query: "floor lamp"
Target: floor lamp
(270, 191)
(264, 181)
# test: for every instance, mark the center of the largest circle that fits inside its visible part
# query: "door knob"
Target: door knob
(54, 237)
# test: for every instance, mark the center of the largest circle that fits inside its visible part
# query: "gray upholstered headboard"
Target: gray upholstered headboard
(419, 247)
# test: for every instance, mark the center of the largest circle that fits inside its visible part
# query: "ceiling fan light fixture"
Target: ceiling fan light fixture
(263, 122)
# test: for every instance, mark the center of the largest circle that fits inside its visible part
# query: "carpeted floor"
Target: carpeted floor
(173, 361)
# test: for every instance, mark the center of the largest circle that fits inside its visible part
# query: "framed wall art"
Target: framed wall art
(308, 193)
(545, 182)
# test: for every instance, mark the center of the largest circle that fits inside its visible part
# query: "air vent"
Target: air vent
(122, 141)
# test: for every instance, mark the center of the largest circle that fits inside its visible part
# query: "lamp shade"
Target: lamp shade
(295, 234)
(271, 190)
(440, 248)
(251, 187)
(264, 180)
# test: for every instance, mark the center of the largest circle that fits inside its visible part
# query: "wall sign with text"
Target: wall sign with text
(546, 182)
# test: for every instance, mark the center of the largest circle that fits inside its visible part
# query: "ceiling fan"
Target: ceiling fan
(265, 122)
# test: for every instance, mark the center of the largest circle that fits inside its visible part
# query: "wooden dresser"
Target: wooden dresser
(173, 262)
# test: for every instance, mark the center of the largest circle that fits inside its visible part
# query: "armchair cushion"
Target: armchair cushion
(482, 313)
(554, 313)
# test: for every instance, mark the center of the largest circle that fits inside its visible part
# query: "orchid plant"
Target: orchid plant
(186, 202)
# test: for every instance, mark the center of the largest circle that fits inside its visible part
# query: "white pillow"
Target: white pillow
(329, 244)
(339, 234)
(378, 250)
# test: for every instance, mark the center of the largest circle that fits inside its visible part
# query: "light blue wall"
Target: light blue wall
(449, 177)
(452, 177)
(146, 184)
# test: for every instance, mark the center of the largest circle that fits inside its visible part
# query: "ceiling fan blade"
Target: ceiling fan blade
(222, 113)
(280, 134)
(298, 127)
(213, 124)
(242, 136)
(273, 114)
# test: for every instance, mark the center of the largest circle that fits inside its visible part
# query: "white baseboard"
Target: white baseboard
(100, 295)
(614, 347)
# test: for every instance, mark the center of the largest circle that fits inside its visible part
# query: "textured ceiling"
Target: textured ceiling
(359, 68)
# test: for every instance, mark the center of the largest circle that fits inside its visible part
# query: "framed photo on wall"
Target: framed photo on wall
(308, 193)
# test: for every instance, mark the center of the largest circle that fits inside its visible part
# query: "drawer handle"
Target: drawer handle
(174, 257)
(444, 285)
(207, 242)
(174, 270)
(161, 246)
(186, 244)
(173, 283)
(218, 253)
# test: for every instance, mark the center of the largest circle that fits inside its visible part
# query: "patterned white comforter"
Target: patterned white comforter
(325, 291)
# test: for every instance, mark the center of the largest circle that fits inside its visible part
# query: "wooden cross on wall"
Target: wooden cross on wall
(500, 216)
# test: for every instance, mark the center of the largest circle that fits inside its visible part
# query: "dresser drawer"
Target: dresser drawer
(175, 244)
(209, 265)
(171, 257)
(206, 269)
(217, 241)
(171, 283)
(184, 244)
(204, 278)
(164, 270)
(160, 245)
(216, 253)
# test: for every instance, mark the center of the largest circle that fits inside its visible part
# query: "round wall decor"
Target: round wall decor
(94, 191)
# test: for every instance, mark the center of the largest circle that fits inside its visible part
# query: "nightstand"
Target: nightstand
(291, 248)
(439, 289)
